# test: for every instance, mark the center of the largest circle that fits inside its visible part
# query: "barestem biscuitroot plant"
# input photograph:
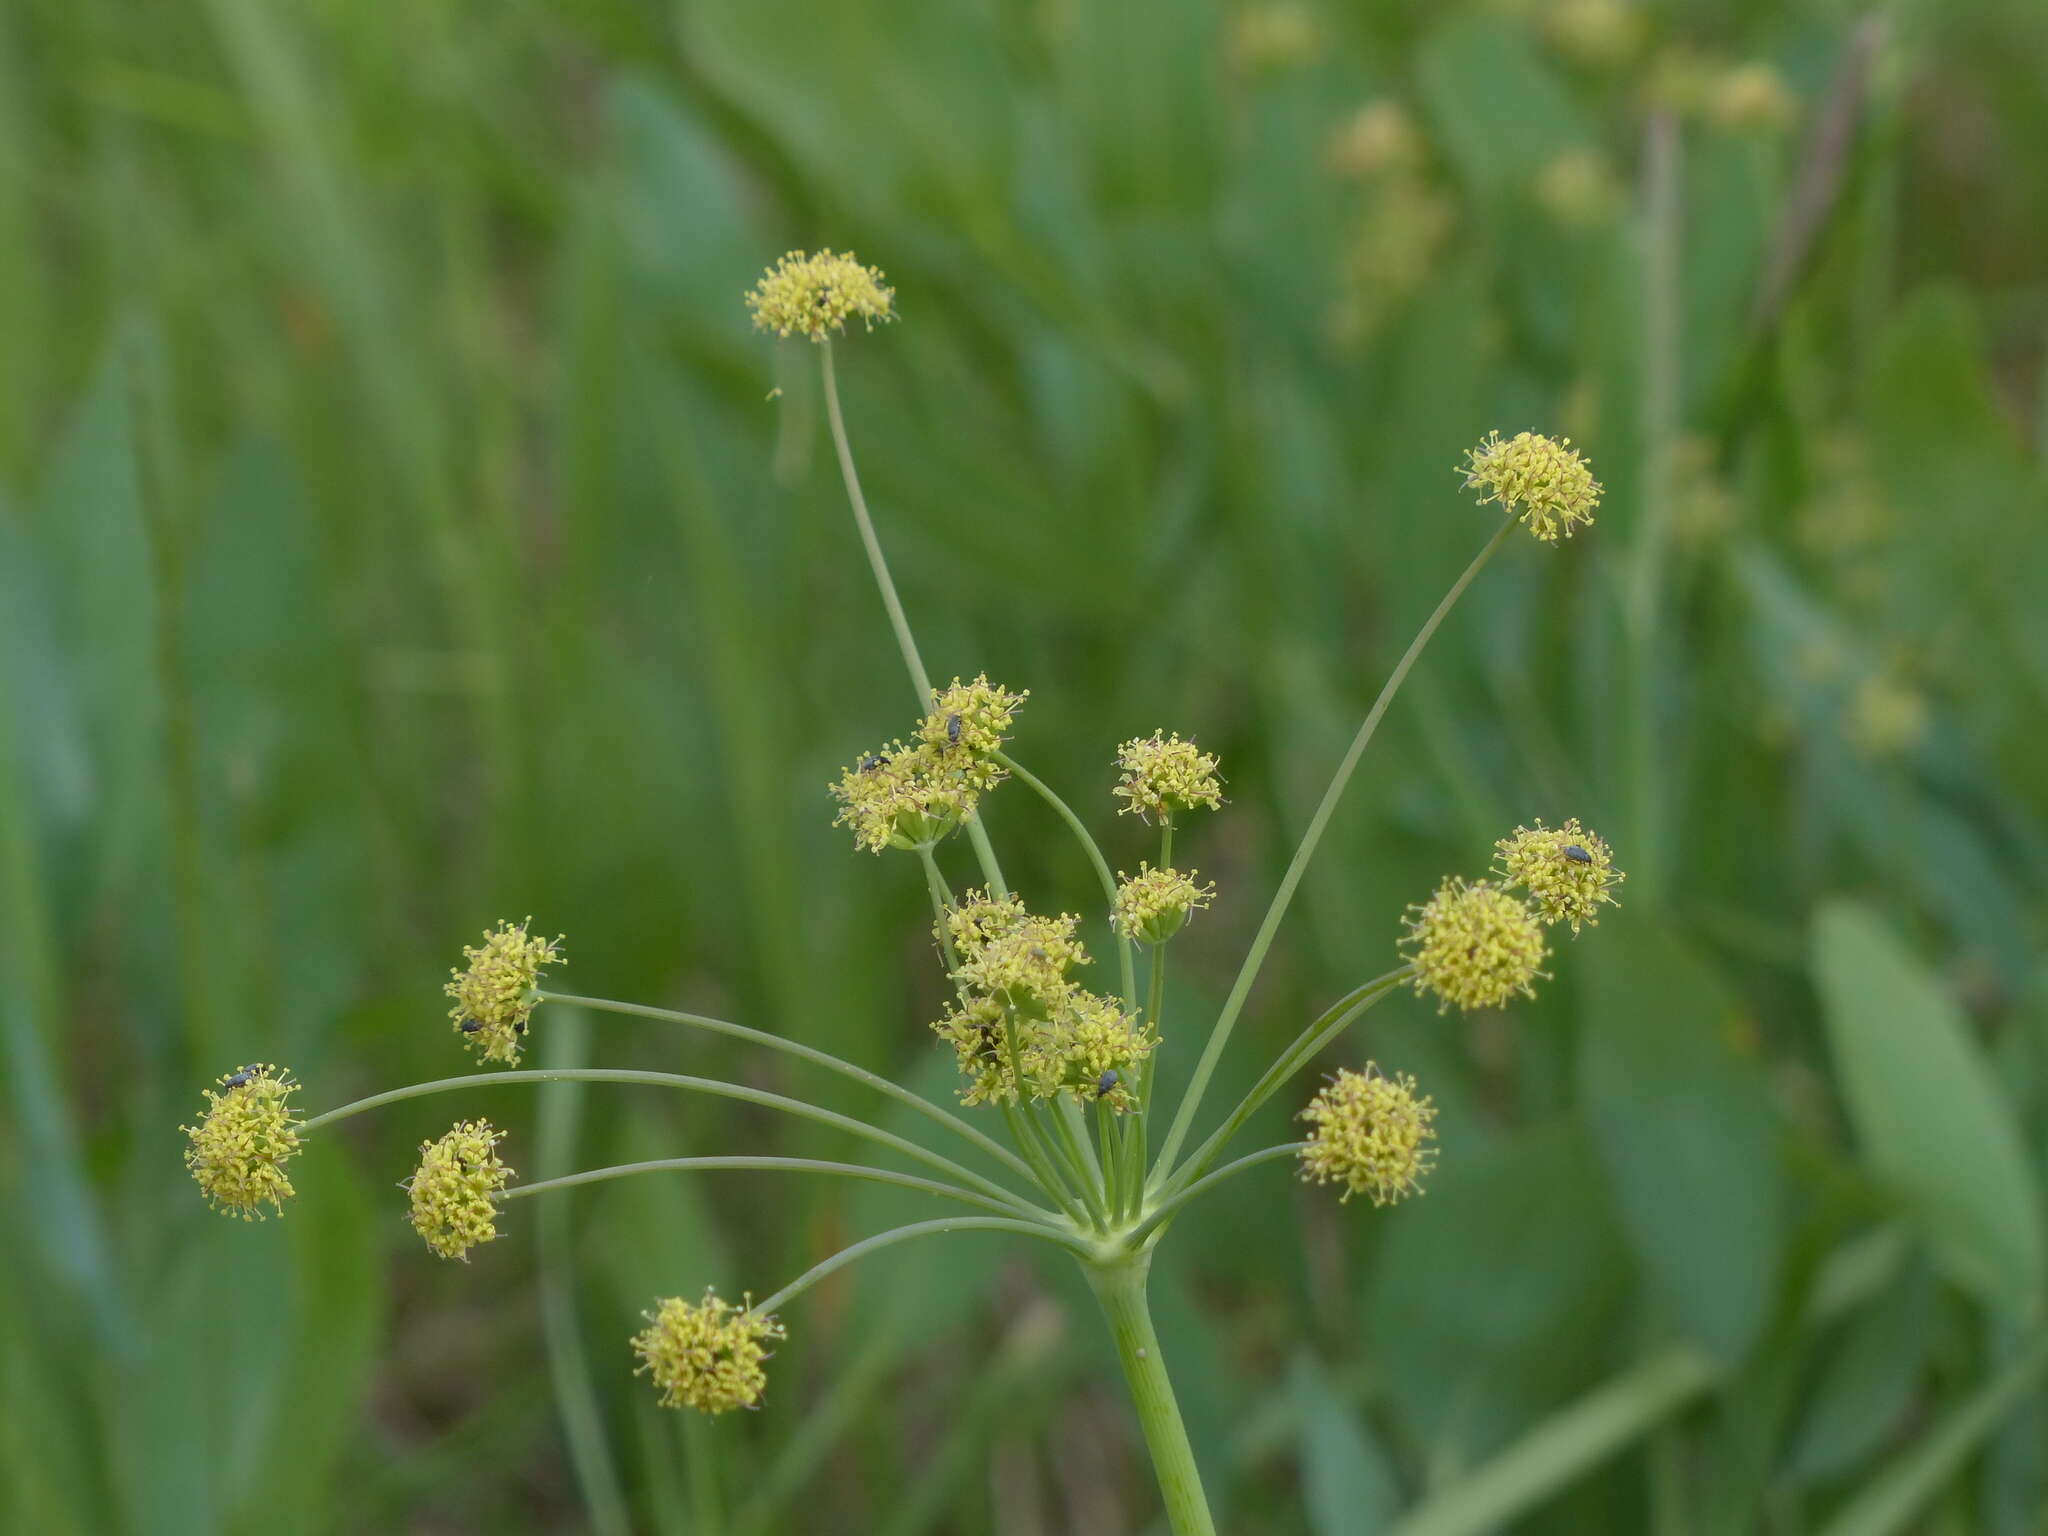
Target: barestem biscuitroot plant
(1069, 1073)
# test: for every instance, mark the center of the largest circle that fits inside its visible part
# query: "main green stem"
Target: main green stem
(1120, 1288)
(1249, 972)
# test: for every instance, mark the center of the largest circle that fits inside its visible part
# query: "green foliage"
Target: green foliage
(396, 535)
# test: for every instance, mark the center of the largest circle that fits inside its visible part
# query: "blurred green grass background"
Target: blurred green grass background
(395, 534)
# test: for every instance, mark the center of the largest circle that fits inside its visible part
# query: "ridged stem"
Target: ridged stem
(1120, 1288)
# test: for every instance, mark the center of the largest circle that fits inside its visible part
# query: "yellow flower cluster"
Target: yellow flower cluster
(1369, 1136)
(1568, 871)
(1162, 774)
(911, 795)
(814, 296)
(237, 1152)
(1152, 905)
(1390, 253)
(494, 992)
(1474, 945)
(1752, 98)
(1540, 480)
(454, 1205)
(971, 721)
(707, 1355)
(1022, 1028)
(1377, 139)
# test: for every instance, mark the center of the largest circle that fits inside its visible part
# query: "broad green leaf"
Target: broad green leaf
(1866, 1379)
(1686, 1131)
(1928, 1116)
(1489, 1299)
(1348, 1483)
(1499, 109)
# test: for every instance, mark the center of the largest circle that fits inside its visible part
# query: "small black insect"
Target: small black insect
(519, 1026)
(1577, 854)
(238, 1078)
(1106, 1082)
(953, 730)
(871, 763)
(471, 1026)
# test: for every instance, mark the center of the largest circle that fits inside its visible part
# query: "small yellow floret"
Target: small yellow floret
(237, 1152)
(970, 720)
(904, 796)
(494, 993)
(1369, 1136)
(1474, 945)
(1568, 871)
(1022, 1029)
(1540, 480)
(1153, 904)
(454, 1204)
(815, 296)
(706, 1356)
(1162, 774)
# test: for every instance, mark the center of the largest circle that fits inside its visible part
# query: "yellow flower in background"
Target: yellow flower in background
(814, 296)
(237, 1152)
(706, 1355)
(1579, 187)
(1370, 1135)
(1380, 138)
(1752, 98)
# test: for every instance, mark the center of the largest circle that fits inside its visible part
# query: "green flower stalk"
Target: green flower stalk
(1062, 1076)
